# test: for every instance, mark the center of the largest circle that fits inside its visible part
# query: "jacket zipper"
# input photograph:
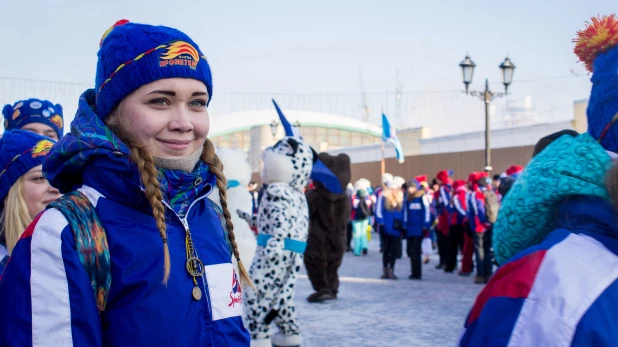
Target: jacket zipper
(185, 224)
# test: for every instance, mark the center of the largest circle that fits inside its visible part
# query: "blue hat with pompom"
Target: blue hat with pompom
(597, 47)
(29, 111)
(132, 55)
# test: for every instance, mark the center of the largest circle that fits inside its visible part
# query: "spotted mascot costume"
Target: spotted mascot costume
(283, 224)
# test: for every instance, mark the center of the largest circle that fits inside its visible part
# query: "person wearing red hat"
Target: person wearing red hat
(443, 203)
(479, 226)
(457, 222)
(514, 171)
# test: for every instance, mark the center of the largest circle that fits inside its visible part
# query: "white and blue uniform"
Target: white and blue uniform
(562, 292)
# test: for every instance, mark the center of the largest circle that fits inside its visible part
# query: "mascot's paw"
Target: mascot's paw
(261, 343)
(280, 340)
(321, 296)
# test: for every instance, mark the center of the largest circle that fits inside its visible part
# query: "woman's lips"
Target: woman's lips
(177, 145)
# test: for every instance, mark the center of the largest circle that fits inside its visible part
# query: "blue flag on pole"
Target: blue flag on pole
(389, 136)
(320, 172)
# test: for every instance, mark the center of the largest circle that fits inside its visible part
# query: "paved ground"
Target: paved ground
(374, 312)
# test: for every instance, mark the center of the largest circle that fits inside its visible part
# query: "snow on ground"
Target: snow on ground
(374, 312)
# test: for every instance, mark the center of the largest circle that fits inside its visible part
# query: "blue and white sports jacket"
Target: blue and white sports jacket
(46, 298)
(562, 292)
(417, 214)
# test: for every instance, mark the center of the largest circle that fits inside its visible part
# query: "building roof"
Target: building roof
(472, 141)
(229, 123)
(500, 138)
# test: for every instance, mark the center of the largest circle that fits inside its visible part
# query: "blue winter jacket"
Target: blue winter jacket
(388, 218)
(561, 292)
(417, 214)
(476, 210)
(45, 294)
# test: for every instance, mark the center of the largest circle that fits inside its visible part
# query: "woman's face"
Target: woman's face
(411, 189)
(37, 191)
(168, 117)
(41, 129)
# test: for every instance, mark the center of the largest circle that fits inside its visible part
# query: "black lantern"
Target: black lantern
(467, 68)
(273, 128)
(507, 68)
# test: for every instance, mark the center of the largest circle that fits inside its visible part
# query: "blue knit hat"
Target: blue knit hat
(414, 183)
(132, 55)
(33, 111)
(597, 47)
(20, 151)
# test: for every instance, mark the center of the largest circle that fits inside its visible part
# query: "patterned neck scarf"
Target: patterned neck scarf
(182, 188)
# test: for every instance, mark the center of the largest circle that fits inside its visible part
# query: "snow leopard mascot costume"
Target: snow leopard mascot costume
(283, 226)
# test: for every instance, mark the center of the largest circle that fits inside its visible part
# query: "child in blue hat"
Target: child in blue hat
(139, 155)
(24, 192)
(38, 116)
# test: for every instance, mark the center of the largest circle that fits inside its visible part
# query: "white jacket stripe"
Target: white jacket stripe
(49, 289)
(564, 289)
(457, 204)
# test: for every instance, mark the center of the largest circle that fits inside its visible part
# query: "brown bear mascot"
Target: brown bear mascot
(328, 217)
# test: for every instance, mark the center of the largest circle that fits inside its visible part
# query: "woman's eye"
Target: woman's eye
(38, 178)
(160, 102)
(198, 103)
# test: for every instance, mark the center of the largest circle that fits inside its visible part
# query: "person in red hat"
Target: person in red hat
(443, 203)
(457, 221)
(477, 219)
(514, 171)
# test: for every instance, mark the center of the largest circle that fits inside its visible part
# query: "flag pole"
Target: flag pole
(383, 164)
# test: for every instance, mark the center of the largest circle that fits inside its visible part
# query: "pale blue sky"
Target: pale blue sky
(317, 46)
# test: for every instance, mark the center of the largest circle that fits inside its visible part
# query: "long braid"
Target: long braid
(150, 179)
(149, 176)
(210, 157)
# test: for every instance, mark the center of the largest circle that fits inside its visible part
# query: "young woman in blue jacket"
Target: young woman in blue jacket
(24, 192)
(392, 220)
(138, 150)
(417, 219)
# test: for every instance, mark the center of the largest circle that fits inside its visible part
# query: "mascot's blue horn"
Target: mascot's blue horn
(319, 173)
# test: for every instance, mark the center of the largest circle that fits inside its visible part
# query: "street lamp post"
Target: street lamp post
(273, 128)
(487, 96)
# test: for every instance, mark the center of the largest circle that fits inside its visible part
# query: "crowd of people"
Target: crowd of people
(453, 216)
